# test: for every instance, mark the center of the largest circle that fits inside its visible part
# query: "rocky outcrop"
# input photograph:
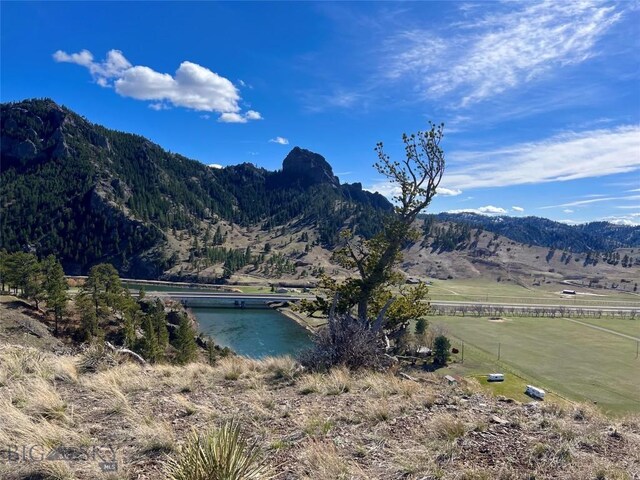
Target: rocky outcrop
(308, 168)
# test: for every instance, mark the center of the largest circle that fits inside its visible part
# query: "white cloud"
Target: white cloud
(630, 219)
(113, 66)
(569, 222)
(233, 117)
(215, 165)
(563, 157)
(280, 140)
(623, 221)
(253, 115)
(502, 51)
(448, 192)
(488, 210)
(192, 86)
(567, 210)
(517, 209)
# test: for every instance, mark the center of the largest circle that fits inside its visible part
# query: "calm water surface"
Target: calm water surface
(253, 332)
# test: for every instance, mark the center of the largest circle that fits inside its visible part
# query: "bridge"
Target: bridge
(259, 300)
(227, 299)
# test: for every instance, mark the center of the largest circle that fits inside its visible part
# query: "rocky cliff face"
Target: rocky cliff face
(308, 168)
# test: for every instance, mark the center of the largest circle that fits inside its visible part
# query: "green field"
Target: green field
(570, 359)
(508, 292)
(626, 326)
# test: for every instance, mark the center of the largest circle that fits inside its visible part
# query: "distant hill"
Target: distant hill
(542, 232)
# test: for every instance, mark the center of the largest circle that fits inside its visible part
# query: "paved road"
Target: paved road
(270, 297)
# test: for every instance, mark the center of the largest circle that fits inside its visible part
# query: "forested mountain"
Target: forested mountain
(89, 194)
(542, 232)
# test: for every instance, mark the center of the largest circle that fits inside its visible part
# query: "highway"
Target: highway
(272, 297)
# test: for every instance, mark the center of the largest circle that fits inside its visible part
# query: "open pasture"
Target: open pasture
(482, 290)
(571, 359)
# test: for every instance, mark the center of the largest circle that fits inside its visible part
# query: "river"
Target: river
(253, 332)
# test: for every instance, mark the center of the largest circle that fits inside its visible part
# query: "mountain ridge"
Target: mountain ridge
(89, 194)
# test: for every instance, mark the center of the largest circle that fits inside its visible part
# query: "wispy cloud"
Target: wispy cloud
(517, 209)
(280, 140)
(501, 51)
(192, 86)
(582, 203)
(563, 157)
(342, 99)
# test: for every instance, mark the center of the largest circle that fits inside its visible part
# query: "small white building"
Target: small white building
(569, 292)
(535, 392)
(423, 351)
(495, 377)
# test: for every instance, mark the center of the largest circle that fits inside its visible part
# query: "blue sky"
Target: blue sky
(541, 101)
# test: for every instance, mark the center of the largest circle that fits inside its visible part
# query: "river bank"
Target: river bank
(312, 324)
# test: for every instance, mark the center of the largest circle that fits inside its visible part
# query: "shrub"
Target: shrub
(221, 454)
(347, 342)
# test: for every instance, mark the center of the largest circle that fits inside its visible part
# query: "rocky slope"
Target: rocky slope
(308, 426)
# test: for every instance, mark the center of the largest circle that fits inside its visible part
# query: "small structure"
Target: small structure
(535, 392)
(495, 377)
(450, 379)
(423, 352)
(569, 292)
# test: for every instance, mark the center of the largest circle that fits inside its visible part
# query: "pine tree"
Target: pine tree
(150, 349)
(185, 341)
(89, 324)
(55, 286)
(441, 347)
(421, 326)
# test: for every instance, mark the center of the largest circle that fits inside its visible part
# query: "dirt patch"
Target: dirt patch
(499, 319)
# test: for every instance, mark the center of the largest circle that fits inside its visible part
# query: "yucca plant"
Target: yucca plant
(221, 454)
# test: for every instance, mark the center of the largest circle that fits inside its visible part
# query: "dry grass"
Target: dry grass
(322, 461)
(285, 367)
(155, 437)
(447, 427)
(322, 426)
(39, 399)
(234, 368)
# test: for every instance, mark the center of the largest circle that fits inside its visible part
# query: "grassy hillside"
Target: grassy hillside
(323, 427)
